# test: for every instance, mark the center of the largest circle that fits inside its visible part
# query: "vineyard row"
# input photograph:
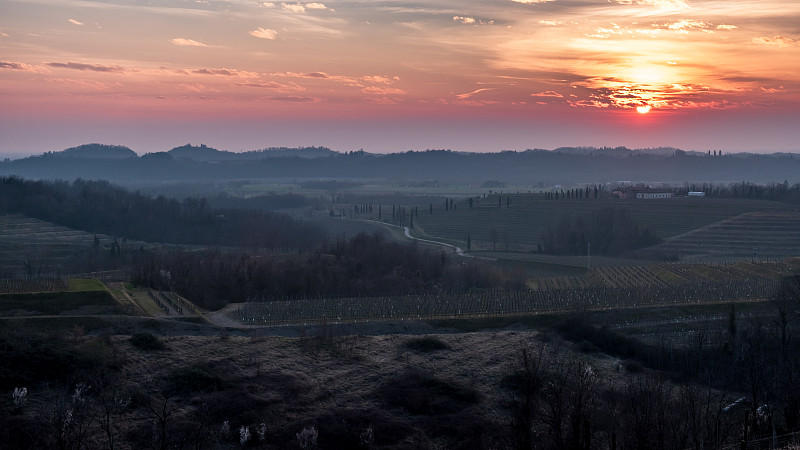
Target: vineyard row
(495, 303)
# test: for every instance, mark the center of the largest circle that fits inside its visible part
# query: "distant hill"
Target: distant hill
(623, 152)
(97, 151)
(535, 168)
(209, 154)
(201, 153)
(302, 152)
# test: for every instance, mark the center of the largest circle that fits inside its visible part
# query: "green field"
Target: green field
(54, 303)
(85, 285)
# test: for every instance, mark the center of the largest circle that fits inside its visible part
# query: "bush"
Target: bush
(426, 344)
(348, 428)
(193, 379)
(633, 367)
(591, 339)
(234, 404)
(29, 357)
(147, 342)
(426, 395)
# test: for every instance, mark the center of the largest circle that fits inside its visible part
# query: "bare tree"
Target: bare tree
(161, 412)
(526, 406)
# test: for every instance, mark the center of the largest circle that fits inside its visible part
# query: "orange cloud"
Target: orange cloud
(547, 94)
(297, 7)
(470, 94)
(264, 33)
(466, 20)
(182, 42)
(779, 41)
(382, 91)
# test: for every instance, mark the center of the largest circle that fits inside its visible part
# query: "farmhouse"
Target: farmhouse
(641, 192)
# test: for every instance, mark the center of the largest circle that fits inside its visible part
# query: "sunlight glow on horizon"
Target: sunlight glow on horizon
(513, 62)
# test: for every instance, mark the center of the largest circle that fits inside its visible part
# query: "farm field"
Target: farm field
(56, 303)
(516, 221)
(604, 288)
(670, 287)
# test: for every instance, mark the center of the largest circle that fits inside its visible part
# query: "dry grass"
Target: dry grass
(289, 384)
(294, 383)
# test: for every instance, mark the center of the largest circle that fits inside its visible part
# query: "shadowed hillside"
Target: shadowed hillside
(530, 167)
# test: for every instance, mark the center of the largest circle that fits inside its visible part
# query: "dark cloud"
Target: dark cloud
(12, 65)
(224, 72)
(746, 79)
(90, 67)
(316, 75)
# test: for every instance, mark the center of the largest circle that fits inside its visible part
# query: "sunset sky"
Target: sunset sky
(392, 75)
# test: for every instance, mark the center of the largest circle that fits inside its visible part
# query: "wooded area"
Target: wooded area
(100, 207)
(366, 265)
(608, 231)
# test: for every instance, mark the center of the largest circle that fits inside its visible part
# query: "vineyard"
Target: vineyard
(516, 221)
(172, 304)
(686, 327)
(761, 234)
(667, 274)
(21, 286)
(32, 248)
(496, 303)
(602, 288)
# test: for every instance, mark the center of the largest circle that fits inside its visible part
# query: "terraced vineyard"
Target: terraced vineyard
(32, 247)
(518, 224)
(770, 234)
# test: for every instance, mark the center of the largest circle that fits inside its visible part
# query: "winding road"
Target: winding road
(407, 233)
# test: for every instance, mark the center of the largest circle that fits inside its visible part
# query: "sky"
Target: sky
(392, 75)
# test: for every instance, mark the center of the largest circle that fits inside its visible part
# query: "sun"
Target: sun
(643, 109)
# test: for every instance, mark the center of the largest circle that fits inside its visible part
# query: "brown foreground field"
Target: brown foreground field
(115, 379)
(391, 391)
(330, 389)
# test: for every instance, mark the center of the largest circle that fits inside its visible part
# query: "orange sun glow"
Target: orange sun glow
(643, 109)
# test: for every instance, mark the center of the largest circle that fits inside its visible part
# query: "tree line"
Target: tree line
(609, 231)
(100, 207)
(734, 382)
(782, 192)
(366, 265)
